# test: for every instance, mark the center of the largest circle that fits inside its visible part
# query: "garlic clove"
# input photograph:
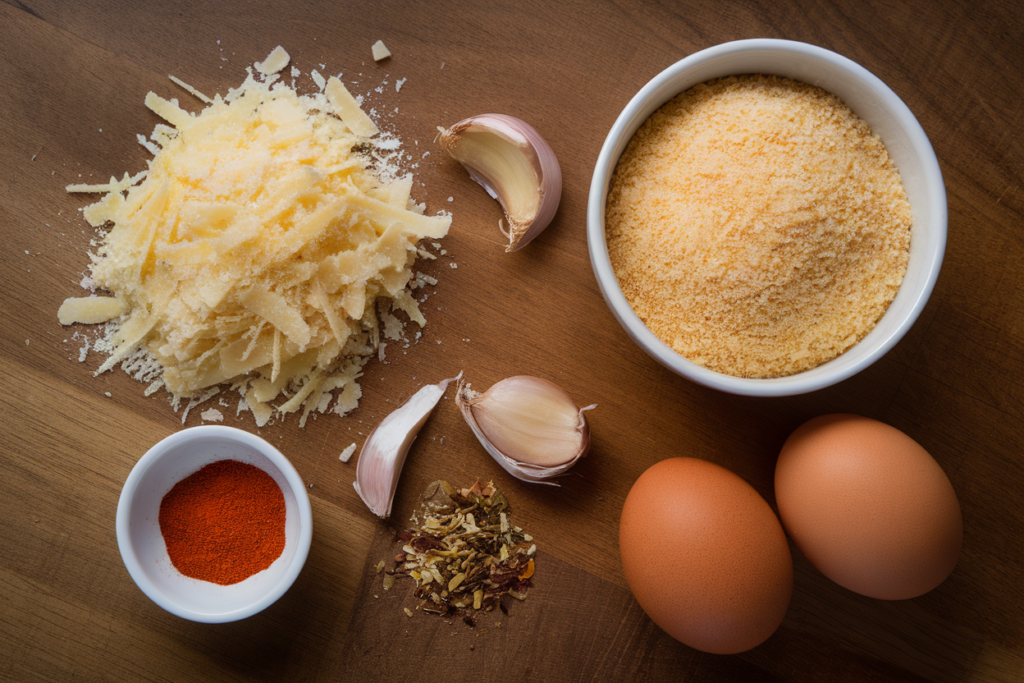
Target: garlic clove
(530, 420)
(383, 454)
(516, 166)
(529, 425)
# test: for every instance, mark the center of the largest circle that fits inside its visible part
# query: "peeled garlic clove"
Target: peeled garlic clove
(530, 426)
(384, 452)
(510, 159)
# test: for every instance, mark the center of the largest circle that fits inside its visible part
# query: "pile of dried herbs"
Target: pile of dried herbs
(465, 554)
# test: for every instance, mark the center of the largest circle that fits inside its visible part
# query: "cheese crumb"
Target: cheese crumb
(380, 51)
(212, 415)
(83, 352)
(392, 326)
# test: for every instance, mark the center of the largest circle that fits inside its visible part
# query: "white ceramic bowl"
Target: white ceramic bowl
(142, 545)
(887, 116)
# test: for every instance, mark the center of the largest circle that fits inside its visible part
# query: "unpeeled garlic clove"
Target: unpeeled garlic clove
(510, 159)
(384, 452)
(529, 425)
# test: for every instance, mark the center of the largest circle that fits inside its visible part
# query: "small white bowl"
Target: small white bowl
(142, 545)
(887, 116)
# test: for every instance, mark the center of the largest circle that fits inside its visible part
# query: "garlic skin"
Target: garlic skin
(529, 425)
(516, 166)
(384, 451)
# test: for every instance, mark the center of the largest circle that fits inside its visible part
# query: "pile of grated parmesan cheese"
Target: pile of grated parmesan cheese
(257, 250)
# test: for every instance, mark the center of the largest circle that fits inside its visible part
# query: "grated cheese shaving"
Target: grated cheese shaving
(192, 91)
(348, 109)
(151, 147)
(255, 250)
(275, 61)
(90, 310)
(320, 81)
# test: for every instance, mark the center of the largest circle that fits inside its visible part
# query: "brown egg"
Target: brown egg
(705, 556)
(869, 507)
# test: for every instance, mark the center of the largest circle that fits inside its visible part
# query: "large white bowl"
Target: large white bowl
(887, 116)
(142, 545)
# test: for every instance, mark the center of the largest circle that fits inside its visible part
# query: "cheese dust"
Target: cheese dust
(757, 226)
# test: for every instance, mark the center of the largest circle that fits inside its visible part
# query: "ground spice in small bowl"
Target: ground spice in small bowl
(224, 523)
(757, 226)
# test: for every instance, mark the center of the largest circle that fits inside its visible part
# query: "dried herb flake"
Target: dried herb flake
(465, 555)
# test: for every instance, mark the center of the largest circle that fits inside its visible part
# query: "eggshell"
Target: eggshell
(868, 507)
(705, 556)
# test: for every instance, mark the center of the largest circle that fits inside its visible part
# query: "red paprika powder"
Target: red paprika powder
(223, 523)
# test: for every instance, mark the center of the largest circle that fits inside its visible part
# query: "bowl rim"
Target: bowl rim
(820, 376)
(202, 433)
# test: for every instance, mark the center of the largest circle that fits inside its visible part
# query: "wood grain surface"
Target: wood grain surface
(73, 77)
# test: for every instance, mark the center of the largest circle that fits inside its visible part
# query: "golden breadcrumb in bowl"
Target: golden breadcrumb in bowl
(766, 218)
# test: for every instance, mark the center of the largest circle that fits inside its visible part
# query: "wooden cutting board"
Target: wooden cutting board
(73, 77)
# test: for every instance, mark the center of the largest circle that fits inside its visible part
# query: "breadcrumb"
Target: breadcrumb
(757, 226)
